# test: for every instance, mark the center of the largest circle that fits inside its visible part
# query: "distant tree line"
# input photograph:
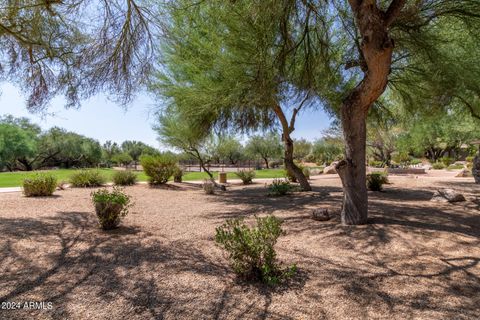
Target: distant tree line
(25, 147)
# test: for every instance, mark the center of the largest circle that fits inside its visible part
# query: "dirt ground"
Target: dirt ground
(416, 259)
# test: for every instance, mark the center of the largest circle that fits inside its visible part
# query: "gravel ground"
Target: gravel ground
(416, 259)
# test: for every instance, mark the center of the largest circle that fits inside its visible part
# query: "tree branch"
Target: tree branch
(393, 11)
(469, 106)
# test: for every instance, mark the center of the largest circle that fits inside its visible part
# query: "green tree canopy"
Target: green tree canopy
(15, 143)
(265, 147)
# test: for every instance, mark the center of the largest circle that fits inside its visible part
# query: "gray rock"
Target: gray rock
(331, 168)
(448, 195)
(464, 173)
(320, 215)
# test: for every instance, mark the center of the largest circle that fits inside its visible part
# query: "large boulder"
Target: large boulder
(476, 169)
(331, 168)
(447, 195)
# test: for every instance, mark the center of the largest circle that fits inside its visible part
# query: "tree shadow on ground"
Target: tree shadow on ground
(255, 200)
(123, 264)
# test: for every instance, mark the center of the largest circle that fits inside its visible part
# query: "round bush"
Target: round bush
(87, 178)
(246, 175)
(438, 166)
(124, 178)
(110, 207)
(177, 174)
(251, 249)
(158, 168)
(40, 184)
(208, 186)
(376, 180)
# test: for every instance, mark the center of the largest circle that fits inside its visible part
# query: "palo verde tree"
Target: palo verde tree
(419, 50)
(246, 64)
(438, 135)
(176, 132)
(76, 48)
(266, 147)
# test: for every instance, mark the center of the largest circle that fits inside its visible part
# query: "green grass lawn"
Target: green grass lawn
(15, 179)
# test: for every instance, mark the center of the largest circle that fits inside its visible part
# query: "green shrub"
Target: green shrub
(375, 164)
(39, 185)
(158, 168)
(177, 174)
(447, 161)
(251, 250)
(279, 187)
(376, 180)
(306, 172)
(208, 186)
(415, 161)
(438, 166)
(246, 175)
(455, 166)
(87, 178)
(469, 159)
(124, 178)
(110, 207)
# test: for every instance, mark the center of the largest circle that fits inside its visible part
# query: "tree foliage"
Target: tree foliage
(265, 147)
(76, 48)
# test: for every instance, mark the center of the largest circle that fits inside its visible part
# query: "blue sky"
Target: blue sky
(104, 120)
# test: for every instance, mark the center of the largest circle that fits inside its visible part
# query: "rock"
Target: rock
(447, 195)
(464, 173)
(476, 169)
(331, 168)
(320, 215)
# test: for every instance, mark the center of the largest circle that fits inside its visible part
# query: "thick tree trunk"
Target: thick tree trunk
(375, 60)
(352, 170)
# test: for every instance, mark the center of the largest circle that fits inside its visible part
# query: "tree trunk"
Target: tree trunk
(352, 169)
(375, 60)
(266, 163)
(290, 165)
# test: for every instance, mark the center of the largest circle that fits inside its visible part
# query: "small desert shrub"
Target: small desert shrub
(469, 159)
(110, 207)
(279, 187)
(376, 180)
(40, 184)
(447, 161)
(415, 161)
(251, 250)
(208, 186)
(246, 175)
(87, 178)
(306, 172)
(158, 168)
(455, 166)
(124, 178)
(438, 166)
(177, 174)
